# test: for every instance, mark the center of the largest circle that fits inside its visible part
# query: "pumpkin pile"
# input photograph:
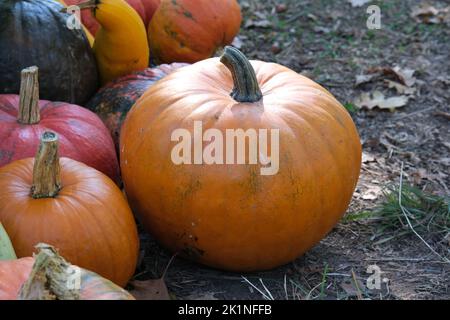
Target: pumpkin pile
(70, 150)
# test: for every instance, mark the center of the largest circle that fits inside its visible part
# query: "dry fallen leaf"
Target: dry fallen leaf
(406, 76)
(367, 157)
(319, 29)
(377, 99)
(365, 78)
(237, 43)
(400, 88)
(155, 289)
(426, 13)
(312, 17)
(372, 193)
(358, 3)
(261, 15)
(258, 24)
(419, 175)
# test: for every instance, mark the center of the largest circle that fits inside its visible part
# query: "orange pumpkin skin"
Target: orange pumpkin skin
(89, 221)
(13, 273)
(190, 31)
(230, 216)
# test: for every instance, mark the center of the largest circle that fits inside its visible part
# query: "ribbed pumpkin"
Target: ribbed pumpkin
(114, 100)
(120, 45)
(24, 118)
(71, 206)
(34, 32)
(190, 31)
(46, 276)
(239, 217)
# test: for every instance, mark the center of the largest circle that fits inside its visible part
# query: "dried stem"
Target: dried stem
(29, 97)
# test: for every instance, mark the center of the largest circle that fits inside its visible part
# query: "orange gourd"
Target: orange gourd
(231, 216)
(190, 31)
(71, 206)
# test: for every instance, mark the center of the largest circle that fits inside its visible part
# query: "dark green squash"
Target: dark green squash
(35, 32)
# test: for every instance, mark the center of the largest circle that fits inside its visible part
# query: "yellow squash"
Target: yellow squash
(89, 35)
(120, 45)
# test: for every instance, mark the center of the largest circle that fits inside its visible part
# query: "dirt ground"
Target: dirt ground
(329, 42)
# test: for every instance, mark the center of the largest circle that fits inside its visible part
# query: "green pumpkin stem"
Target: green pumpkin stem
(246, 87)
(29, 97)
(46, 171)
(50, 278)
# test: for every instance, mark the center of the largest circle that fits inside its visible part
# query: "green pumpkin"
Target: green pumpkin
(35, 32)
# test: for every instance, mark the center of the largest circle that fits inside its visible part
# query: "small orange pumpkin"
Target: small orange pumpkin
(71, 206)
(190, 31)
(231, 216)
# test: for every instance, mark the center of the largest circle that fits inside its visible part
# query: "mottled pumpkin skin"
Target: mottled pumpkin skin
(89, 221)
(190, 31)
(14, 273)
(67, 67)
(82, 135)
(230, 216)
(113, 101)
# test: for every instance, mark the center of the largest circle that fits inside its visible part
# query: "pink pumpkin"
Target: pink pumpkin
(82, 135)
(145, 9)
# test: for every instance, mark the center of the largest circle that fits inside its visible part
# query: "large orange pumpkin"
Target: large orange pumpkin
(71, 206)
(190, 31)
(231, 216)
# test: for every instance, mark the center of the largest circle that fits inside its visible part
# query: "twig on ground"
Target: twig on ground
(415, 113)
(442, 114)
(358, 291)
(285, 287)
(267, 297)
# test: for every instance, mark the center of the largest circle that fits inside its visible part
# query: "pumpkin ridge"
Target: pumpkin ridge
(99, 240)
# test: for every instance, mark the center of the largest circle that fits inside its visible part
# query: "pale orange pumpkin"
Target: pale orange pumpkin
(231, 216)
(46, 277)
(71, 206)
